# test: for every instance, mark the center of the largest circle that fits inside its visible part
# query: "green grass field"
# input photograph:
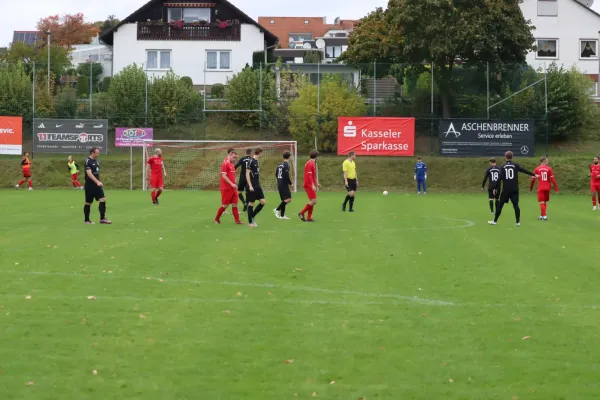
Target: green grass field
(408, 298)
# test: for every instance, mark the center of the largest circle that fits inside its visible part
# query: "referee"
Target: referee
(94, 188)
(350, 181)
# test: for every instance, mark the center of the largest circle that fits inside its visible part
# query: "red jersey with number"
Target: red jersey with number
(595, 172)
(228, 169)
(156, 165)
(310, 173)
(545, 178)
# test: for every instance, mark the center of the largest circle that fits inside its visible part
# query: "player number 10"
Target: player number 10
(510, 173)
(544, 176)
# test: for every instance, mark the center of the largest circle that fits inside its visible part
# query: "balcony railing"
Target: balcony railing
(206, 32)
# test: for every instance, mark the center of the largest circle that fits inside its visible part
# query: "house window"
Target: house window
(547, 48)
(306, 21)
(218, 60)
(189, 14)
(547, 8)
(333, 51)
(158, 59)
(588, 48)
(594, 89)
(300, 37)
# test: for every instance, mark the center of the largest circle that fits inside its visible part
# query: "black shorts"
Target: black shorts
(258, 194)
(491, 194)
(93, 192)
(351, 185)
(241, 185)
(513, 196)
(284, 193)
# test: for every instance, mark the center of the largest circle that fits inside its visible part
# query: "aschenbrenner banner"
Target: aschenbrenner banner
(69, 135)
(11, 135)
(482, 138)
(376, 136)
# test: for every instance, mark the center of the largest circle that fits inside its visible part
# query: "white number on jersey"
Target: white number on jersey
(280, 173)
(510, 173)
(494, 176)
(544, 176)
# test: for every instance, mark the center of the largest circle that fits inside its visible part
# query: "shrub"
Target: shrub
(66, 103)
(187, 81)
(218, 91)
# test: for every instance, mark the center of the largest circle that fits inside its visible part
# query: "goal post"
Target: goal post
(196, 164)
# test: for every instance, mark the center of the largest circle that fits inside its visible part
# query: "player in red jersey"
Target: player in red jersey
(156, 172)
(595, 182)
(229, 193)
(545, 178)
(26, 169)
(311, 183)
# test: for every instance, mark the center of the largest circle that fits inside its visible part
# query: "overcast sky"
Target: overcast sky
(23, 16)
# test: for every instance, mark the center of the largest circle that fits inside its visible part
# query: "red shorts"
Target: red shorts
(310, 193)
(595, 186)
(543, 195)
(26, 173)
(156, 182)
(229, 196)
(74, 177)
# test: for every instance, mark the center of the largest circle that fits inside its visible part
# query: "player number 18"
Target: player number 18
(494, 176)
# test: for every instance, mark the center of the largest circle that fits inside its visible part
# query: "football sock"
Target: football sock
(250, 214)
(236, 214)
(310, 211)
(159, 193)
(281, 206)
(102, 209)
(219, 213)
(74, 184)
(351, 203)
(305, 209)
(544, 208)
(29, 183)
(153, 194)
(241, 197)
(258, 208)
(496, 203)
(22, 181)
(86, 212)
(78, 184)
(282, 211)
(346, 200)
(517, 212)
(593, 197)
(498, 212)
(492, 205)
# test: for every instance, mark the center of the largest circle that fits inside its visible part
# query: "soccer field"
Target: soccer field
(408, 298)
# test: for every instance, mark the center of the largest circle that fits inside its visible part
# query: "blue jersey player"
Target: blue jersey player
(421, 175)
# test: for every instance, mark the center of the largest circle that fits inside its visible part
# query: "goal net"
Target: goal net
(196, 164)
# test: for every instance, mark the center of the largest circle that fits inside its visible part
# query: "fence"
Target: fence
(266, 107)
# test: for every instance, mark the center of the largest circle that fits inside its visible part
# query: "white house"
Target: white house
(566, 32)
(207, 42)
(96, 52)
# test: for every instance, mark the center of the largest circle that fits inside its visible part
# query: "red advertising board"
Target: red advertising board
(376, 136)
(11, 135)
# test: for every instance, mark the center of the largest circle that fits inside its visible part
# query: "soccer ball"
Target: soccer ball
(385, 192)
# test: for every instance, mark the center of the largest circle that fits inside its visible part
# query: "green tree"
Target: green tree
(312, 57)
(442, 32)
(27, 55)
(83, 86)
(66, 103)
(217, 91)
(44, 99)
(188, 81)
(94, 69)
(172, 101)
(337, 98)
(243, 93)
(15, 91)
(127, 94)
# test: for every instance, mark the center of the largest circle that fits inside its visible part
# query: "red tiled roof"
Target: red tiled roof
(283, 26)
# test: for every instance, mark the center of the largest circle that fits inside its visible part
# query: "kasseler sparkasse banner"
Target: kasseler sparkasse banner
(53, 135)
(376, 136)
(485, 138)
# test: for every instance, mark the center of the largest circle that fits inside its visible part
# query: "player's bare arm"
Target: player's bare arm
(164, 170)
(226, 179)
(249, 180)
(346, 178)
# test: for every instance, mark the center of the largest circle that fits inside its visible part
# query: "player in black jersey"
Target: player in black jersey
(94, 188)
(254, 190)
(282, 174)
(493, 175)
(243, 163)
(509, 179)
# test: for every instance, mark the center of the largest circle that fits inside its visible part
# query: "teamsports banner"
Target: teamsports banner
(133, 137)
(376, 136)
(11, 135)
(479, 138)
(69, 135)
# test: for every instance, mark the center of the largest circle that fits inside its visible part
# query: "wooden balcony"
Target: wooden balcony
(207, 32)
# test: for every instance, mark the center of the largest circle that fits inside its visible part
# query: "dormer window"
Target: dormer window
(189, 15)
(306, 21)
(271, 22)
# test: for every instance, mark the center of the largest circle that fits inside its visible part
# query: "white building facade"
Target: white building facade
(95, 52)
(208, 42)
(566, 32)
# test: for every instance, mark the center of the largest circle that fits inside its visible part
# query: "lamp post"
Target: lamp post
(48, 34)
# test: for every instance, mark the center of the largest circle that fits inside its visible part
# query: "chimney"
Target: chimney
(325, 20)
(336, 21)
